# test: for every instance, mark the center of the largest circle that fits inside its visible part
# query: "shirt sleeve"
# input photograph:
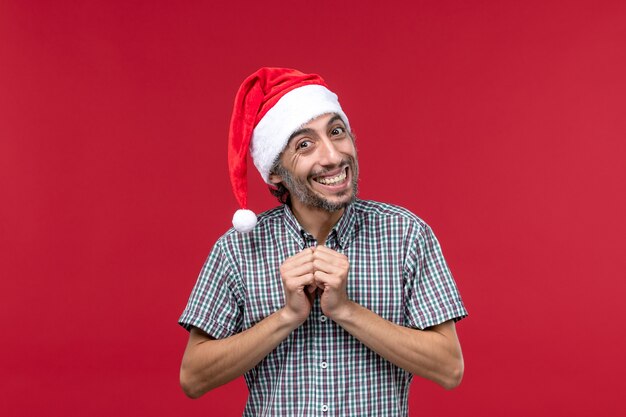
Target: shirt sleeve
(213, 305)
(431, 294)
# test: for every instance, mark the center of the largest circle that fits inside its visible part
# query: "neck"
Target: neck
(316, 221)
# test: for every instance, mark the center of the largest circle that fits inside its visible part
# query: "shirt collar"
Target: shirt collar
(343, 230)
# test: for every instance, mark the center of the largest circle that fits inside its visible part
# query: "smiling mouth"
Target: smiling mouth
(337, 179)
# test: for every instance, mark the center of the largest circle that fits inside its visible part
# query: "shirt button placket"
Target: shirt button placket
(321, 348)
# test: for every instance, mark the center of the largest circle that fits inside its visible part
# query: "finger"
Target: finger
(330, 255)
(332, 265)
(318, 284)
(324, 280)
(299, 283)
(301, 258)
(290, 271)
(327, 282)
(304, 253)
(340, 261)
(326, 249)
(327, 267)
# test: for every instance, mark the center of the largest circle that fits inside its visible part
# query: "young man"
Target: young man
(328, 304)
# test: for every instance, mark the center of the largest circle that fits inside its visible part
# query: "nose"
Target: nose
(329, 155)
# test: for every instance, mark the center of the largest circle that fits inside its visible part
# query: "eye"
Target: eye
(303, 144)
(337, 131)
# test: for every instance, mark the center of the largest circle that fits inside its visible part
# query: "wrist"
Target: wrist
(289, 319)
(344, 313)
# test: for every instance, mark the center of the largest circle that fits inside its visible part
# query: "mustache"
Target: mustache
(347, 162)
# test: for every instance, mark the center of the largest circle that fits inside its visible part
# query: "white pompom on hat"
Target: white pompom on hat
(270, 105)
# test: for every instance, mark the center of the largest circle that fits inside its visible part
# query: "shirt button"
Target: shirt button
(324, 408)
(323, 318)
(324, 365)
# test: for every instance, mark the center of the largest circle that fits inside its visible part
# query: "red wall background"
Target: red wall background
(500, 123)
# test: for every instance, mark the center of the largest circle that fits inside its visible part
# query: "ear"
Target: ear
(275, 179)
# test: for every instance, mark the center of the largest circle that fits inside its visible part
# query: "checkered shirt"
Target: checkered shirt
(397, 270)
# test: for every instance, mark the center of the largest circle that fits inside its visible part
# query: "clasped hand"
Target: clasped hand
(314, 270)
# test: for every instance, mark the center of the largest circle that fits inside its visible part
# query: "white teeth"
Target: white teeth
(332, 180)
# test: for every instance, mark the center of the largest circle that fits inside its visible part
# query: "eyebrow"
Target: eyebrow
(299, 132)
(334, 119)
(309, 131)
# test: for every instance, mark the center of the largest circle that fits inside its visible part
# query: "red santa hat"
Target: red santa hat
(270, 105)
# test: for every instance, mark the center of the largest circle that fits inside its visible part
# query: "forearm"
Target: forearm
(434, 353)
(209, 363)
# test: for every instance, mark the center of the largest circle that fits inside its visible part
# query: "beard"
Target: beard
(300, 189)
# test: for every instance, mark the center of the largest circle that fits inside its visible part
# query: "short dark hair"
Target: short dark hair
(279, 190)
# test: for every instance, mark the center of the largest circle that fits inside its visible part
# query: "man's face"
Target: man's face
(319, 165)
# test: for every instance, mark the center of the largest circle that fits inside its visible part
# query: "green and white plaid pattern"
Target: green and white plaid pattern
(397, 270)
